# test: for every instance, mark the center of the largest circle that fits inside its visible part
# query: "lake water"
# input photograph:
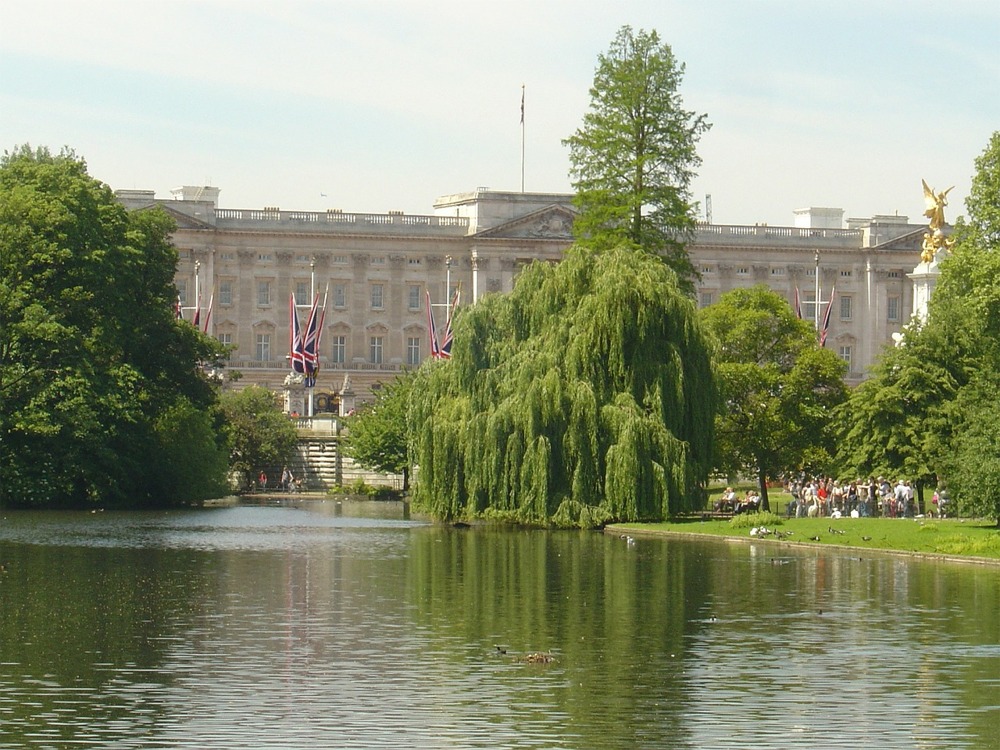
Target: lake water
(319, 625)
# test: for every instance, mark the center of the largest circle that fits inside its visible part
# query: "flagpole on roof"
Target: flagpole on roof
(522, 137)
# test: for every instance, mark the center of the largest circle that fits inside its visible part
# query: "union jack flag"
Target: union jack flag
(310, 345)
(431, 330)
(444, 351)
(826, 319)
(295, 338)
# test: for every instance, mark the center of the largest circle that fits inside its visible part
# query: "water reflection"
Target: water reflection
(348, 626)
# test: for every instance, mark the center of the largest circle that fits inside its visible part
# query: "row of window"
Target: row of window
(338, 294)
(337, 343)
(845, 273)
(845, 303)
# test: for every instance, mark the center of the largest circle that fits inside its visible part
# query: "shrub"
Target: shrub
(749, 520)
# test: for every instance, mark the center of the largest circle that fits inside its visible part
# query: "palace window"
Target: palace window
(413, 293)
(375, 350)
(339, 295)
(263, 347)
(706, 299)
(263, 293)
(302, 293)
(225, 292)
(846, 307)
(338, 351)
(846, 353)
(892, 309)
(182, 291)
(377, 296)
(413, 350)
(808, 305)
(226, 339)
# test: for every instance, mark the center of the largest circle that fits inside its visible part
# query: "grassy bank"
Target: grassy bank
(945, 537)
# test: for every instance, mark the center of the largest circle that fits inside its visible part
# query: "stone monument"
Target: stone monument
(935, 246)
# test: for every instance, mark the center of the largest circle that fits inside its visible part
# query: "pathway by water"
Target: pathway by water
(321, 625)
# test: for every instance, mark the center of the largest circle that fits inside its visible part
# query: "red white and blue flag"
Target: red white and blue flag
(825, 328)
(798, 304)
(432, 331)
(208, 313)
(295, 338)
(446, 339)
(441, 347)
(197, 313)
(310, 345)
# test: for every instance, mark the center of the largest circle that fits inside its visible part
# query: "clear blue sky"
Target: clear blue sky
(373, 105)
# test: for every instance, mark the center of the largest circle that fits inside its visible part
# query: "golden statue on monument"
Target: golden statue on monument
(934, 238)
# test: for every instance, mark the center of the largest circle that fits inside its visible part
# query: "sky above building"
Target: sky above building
(379, 105)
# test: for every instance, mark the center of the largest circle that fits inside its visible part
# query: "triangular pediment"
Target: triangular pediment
(184, 221)
(550, 223)
(909, 242)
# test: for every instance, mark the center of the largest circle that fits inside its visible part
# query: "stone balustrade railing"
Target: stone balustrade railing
(335, 219)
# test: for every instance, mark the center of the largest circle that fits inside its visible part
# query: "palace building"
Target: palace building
(375, 269)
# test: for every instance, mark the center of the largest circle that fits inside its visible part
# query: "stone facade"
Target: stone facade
(374, 270)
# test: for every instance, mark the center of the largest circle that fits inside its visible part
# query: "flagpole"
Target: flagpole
(816, 306)
(522, 137)
(312, 296)
(197, 288)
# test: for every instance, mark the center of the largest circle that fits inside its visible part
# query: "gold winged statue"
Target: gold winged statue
(934, 238)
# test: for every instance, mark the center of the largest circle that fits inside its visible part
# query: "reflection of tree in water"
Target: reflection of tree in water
(601, 607)
(89, 624)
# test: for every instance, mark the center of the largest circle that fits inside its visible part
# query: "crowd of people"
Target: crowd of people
(825, 497)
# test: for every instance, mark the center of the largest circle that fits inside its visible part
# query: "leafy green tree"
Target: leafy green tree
(260, 436)
(778, 387)
(377, 436)
(91, 357)
(583, 396)
(633, 160)
(927, 411)
(899, 422)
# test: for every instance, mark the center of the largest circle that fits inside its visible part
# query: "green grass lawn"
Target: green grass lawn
(957, 537)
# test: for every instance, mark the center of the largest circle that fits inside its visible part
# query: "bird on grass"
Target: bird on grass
(866, 538)
(836, 531)
(815, 538)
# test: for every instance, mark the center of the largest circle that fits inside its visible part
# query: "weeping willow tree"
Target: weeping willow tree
(584, 396)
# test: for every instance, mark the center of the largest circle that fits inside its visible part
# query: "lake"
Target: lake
(311, 623)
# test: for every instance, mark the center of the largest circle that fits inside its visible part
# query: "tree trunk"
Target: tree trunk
(765, 505)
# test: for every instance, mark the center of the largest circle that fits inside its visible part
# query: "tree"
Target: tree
(585, 395)
(928, 410)
(260, 436)
(778, 386)
(91, 356)
(899, 422)
(377, 437)
(633, 159)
